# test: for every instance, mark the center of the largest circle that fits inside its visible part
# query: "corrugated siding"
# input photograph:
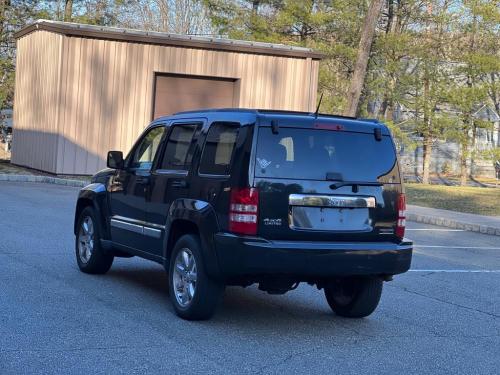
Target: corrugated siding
(35, 134)
(313, 84)
(107, 90)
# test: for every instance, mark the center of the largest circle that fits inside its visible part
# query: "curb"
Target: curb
(450, 223)
(43, 179)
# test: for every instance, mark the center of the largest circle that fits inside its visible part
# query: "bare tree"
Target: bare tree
(175, 16)
(364, 49)
(68, 10)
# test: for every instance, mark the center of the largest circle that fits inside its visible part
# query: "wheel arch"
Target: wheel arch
(179, 228)
(188, 216)
(93, 195)
(81, 204)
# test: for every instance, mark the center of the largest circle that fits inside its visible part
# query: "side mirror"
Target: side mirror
(115, 160)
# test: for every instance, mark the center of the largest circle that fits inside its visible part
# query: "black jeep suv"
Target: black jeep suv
(236, 197)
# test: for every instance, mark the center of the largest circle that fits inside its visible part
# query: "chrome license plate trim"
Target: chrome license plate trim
(329, 219)
(332, 201)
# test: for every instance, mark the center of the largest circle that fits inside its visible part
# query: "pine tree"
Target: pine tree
(478, 31)
(14, 15)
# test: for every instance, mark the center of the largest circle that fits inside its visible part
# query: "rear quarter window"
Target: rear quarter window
(219, 148)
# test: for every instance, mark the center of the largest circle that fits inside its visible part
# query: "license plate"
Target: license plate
(330, 219)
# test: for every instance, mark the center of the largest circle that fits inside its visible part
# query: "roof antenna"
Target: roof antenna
(319, 104)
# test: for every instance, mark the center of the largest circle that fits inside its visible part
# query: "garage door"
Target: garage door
(174, 93)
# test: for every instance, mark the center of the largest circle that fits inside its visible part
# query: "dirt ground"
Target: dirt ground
(7, 168)
(4, 155)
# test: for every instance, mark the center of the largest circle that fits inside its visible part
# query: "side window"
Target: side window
(177, 149)
(145, 152)
(219, 147)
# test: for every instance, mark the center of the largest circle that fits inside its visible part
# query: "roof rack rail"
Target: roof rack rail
(305, 113)
(275, 111)
(246, 110)
(374, 120)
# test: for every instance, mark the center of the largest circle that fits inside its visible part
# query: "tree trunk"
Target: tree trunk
(3, 8)
(255, 6)
(427, 153)
(384, 106)
(68, 10)
(427, 133)
(463, 165)
(493, 93)
(364, 48)
(390, 16)
(473, 149)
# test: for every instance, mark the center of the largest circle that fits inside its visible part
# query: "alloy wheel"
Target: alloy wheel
(86, 239)
(184, 277)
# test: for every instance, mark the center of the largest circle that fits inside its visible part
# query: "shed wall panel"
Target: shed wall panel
(35, 133)
(107, 90)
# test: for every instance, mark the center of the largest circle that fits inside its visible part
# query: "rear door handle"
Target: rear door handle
(211, 194)
(179, 184)
(143, 180)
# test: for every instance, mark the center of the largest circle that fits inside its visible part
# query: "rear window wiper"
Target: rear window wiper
(354, 184)
(335, 176)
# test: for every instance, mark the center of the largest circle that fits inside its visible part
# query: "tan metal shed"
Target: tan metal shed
(82, 90)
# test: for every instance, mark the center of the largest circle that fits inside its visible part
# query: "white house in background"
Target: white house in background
(6, 118)
(445, 153)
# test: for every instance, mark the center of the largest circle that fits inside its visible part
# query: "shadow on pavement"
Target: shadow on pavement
(237, 301)
(153, 280)
(249, 309)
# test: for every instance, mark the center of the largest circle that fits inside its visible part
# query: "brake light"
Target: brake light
(243, 210)
(400, 226)
(321, 126)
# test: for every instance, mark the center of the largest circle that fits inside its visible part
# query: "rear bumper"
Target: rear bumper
(247, 256)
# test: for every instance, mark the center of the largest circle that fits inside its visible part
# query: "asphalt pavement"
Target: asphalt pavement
(442, 317)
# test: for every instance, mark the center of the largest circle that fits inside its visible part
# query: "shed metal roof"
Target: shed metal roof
(161, 38)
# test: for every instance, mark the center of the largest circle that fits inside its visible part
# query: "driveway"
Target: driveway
(442, 317)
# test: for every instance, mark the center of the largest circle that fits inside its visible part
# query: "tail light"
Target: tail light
(243, 210)
(400, 226)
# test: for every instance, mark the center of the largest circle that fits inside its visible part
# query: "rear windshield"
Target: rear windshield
(313, 154)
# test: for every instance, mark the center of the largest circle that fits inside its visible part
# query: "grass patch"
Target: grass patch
(7, 168)
(474, 200)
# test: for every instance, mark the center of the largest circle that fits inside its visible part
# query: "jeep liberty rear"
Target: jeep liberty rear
(324, 205)
(327, 183)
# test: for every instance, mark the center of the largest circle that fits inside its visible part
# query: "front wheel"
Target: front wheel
(194, 295)
(354, 297)
(89, 253)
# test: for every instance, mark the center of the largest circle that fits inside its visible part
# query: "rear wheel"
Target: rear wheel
(89, 253)
(194, 295)
(354, 297)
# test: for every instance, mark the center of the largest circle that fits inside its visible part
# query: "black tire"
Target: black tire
(354, 297)
(98, 262)
(207, 292)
